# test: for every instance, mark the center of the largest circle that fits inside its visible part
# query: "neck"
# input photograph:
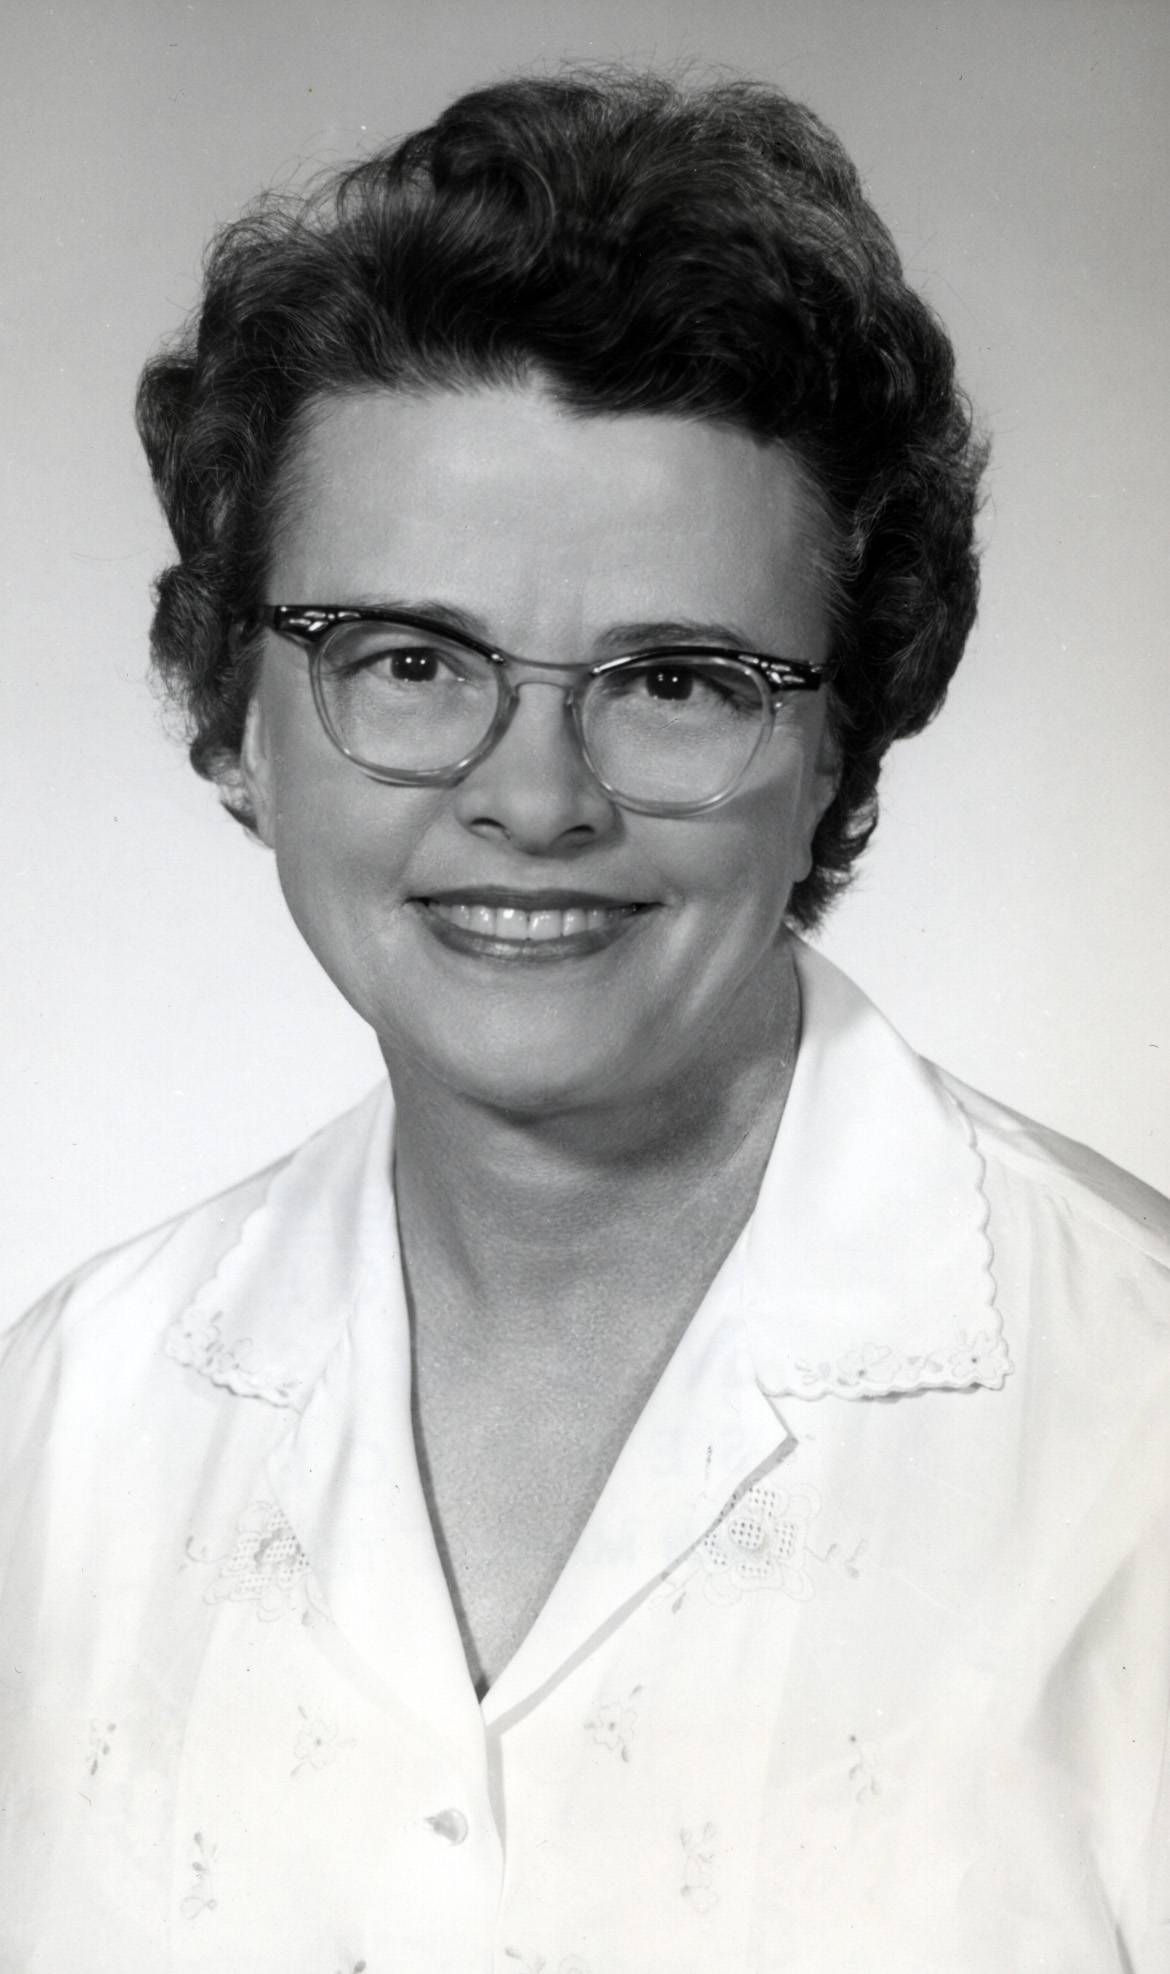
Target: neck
(558, 1225)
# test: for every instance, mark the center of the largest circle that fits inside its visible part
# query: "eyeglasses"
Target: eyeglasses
(666, 732)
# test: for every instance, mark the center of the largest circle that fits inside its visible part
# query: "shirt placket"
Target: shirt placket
(369, 1669)
(706, 1435)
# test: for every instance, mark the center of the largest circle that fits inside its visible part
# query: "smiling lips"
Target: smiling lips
(565, 923)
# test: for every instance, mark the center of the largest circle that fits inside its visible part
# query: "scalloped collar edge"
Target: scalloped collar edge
(864, 1270)
(867, 1265)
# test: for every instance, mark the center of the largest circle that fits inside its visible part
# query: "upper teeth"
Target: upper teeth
(509, 922)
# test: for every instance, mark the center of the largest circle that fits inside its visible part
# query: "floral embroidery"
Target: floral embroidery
(861, 1773)
(874, 1370)
(698, 1886)
(573, 1965)
(265, 1566)
(834, 1556)
(613, 1724)
(760, 1543)
(195, 1339)
(99, 1744)
(319, 1743)
(202, 1897)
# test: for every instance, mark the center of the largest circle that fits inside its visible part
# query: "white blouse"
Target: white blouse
(860, 1666)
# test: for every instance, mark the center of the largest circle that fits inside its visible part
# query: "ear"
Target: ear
(823, 785)
(247, 785)
(827, 772)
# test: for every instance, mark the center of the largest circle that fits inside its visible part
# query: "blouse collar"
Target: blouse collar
(318, 1248)
(867, 1263)
(864, 1270)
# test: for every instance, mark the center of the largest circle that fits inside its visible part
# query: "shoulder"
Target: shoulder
(1036, 1162)
(963, 1190)
(108, 1316)
(119, 1304)
(879, 1081)
(1080, 1254)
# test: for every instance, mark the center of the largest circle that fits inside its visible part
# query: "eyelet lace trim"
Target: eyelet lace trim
(264, 1565)
(958, 1361)
(294, 1315)
(874, 1370)
(194, 1339)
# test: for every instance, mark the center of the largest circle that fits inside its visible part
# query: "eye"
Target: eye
(399, 661)
(687, 687)
(413, 667)
(391, 654)
(670, 681)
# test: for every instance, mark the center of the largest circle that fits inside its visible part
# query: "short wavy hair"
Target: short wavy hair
(635, 245)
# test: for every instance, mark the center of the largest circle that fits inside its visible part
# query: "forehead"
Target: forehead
(538, 520)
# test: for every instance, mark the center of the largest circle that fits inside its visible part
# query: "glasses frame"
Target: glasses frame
(311, 626)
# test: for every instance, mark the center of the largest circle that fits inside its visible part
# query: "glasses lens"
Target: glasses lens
(405, 700)
(672, 728)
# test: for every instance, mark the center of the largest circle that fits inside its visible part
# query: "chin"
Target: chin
(533, 1089)
(518, 1077)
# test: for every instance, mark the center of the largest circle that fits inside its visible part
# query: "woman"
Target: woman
(707, 1514)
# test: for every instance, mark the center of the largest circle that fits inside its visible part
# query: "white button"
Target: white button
(449, 1823)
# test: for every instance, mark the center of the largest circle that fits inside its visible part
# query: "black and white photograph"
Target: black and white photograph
(585, 1368)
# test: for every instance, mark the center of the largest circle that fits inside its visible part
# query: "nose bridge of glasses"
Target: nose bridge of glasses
(547, 717)
(563, 677)
(551, 734)
(533, 773)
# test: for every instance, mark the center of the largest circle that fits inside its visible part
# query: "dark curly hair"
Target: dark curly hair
(636, 246)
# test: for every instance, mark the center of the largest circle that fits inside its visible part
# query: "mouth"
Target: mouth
(528, 927)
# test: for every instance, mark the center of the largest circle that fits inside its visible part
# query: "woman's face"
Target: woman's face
(549, 535)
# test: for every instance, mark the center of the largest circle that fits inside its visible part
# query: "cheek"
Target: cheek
(756, 850)
(343, 875)
(345, 847)
(329, 824)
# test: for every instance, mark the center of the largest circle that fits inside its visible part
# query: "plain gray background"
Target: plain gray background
(164, 1030)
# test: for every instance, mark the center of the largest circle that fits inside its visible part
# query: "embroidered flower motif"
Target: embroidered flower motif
(982, 1359)
(319, 1743)
(195, 1339)
(613, 1724)
(99, 1744)
(861, 1772)
(834, 1557)
(698, 1885)
(873, 1370)
(760, 1543)
(674, 1589)
(202, 1897)
(265, 1566)
(573, 1965)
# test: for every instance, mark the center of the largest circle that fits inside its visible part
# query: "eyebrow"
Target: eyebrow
(617, 639)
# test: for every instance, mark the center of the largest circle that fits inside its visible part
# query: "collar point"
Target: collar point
(874, 1370)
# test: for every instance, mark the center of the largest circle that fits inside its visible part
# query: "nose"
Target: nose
(534, 789)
